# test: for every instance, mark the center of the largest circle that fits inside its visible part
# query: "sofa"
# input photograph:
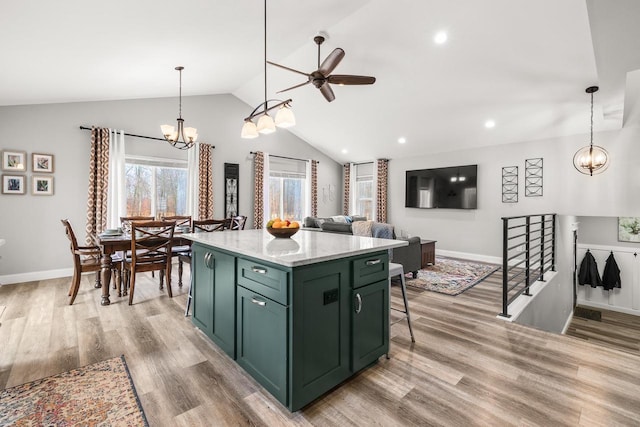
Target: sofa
(409, 256)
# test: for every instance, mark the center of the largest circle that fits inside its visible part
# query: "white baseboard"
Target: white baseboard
(470, 256)
(592, 304)
(33, 276)
(566, 325)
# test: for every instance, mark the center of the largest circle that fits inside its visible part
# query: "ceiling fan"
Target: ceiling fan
(322, 77)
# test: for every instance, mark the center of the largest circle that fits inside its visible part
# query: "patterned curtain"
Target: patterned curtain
(381, 190)
(258, 189)
(314, 188)
(347, 185)
(98, 183)
(205, 185)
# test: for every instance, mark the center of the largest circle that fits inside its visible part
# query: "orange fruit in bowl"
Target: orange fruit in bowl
(294, 224)
(276, 224)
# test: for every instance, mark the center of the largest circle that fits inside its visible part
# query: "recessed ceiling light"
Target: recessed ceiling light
(402, 140)
(489, 124)
(440, 37)
(344, 151)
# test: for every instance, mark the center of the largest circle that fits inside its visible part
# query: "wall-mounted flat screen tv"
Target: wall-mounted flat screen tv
(446, 188)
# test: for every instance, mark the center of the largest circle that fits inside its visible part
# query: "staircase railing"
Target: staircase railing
(528, 252)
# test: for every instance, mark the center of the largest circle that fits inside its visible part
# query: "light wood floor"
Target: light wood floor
(615, 330)
(467, 368)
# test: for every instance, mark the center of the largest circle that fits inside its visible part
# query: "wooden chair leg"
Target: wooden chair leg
(98, 284)
(74, 287)
(132, 279)
(73, 281)
(179, 273)
(168, 274)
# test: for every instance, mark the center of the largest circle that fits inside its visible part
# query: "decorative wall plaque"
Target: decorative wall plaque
(510, 184)
(533, 177)
(231, 175)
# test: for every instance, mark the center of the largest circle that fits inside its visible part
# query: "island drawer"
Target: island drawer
(370, 269)
(266, 280)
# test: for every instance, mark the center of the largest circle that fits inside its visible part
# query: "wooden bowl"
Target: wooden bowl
(282, 232)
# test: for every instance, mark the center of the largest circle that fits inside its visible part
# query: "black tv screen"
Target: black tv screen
(446, 188)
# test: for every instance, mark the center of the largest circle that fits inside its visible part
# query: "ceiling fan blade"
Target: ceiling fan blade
(331, 61)
(327, 92)
(293, 87)
(346, 79)
(287, 68)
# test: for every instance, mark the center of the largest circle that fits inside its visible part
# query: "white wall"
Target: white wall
(613, 193)
(31, 224)
(552, 306)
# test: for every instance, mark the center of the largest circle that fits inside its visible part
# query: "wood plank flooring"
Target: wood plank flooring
(467, 368)
(614, 330)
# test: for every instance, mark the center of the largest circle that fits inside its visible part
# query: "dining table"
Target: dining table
(112, 243)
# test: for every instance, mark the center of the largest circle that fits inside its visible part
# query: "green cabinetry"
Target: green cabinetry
(214, 295)
(262, 341)
(299, 331)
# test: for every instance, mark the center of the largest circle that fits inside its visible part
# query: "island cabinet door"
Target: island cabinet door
(262, 341)
(214, 296)
(370, 325)
(321, 328)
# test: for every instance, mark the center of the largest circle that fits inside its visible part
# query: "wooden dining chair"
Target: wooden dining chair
(150, 251)
(237, 222)
(87, 259)
(199, 226)
(181, 221)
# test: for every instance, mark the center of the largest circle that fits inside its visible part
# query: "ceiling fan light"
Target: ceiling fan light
(266, 124)
(249, 130)
(285, 117)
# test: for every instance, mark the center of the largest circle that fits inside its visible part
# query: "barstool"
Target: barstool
(398, 270)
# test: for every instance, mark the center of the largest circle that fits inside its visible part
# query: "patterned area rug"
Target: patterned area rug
(101, 394)
(451, 276)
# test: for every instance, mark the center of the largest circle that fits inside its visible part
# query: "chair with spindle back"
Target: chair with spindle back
(237, 222)
(87, 259)
(150, 251)
(181, 221)
(199, 226)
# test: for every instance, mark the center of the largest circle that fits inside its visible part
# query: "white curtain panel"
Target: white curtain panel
(352, 190)
(116, 192)
(266, 209)
(193, 180)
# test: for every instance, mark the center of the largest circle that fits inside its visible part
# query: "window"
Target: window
(363, 190)
(155, 187)
(287, 188)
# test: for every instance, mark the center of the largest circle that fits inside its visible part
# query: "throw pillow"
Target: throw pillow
(362, 228)
(339, 218)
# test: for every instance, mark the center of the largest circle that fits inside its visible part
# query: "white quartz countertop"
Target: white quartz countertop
(304, 247)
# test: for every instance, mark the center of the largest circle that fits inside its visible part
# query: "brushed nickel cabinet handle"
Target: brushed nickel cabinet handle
(258, 302)
(208, 258)
(373, 262)
(259, 270)
(358, 303)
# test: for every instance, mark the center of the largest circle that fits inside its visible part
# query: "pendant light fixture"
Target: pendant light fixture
(591, 159)
(266, 124)
(189, 135)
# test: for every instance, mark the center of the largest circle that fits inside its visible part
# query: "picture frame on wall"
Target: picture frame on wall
(42, 163)
(629, 229)
(15, 161)
(13, 184)
(42, 185)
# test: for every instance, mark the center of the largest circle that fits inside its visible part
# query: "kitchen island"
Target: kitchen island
(300, 315)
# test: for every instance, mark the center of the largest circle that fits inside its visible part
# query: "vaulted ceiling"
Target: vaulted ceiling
(522, 63)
